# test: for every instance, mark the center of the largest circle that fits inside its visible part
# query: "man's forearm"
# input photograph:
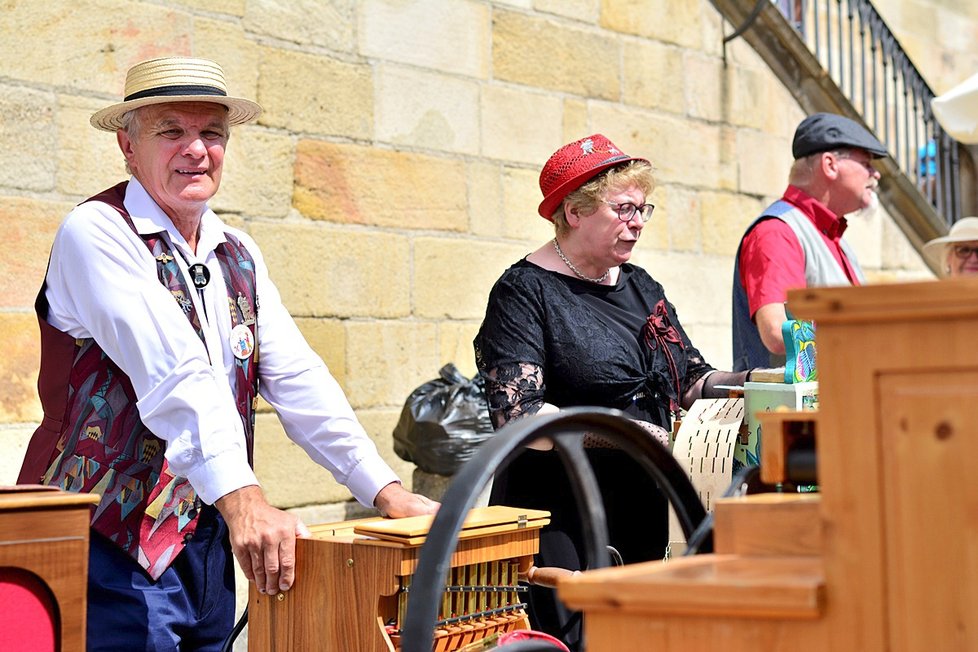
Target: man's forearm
(769, 319)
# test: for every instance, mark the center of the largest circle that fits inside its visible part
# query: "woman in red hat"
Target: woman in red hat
(573, 324)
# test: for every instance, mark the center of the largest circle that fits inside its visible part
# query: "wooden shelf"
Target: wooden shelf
(704, 586)
(768, 524)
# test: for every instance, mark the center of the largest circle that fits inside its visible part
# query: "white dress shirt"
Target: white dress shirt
(103, 284)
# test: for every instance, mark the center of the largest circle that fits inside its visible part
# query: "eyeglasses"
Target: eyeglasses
(964, 251)
(628, 211)
(867, 163)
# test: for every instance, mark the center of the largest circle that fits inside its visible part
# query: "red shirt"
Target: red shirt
(771, 259)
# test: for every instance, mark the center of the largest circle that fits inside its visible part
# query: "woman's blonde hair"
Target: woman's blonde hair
(587, 199)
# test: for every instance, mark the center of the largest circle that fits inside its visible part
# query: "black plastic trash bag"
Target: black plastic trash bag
(443, 422)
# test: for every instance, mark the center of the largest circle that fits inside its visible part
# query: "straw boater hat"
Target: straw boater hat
(175, 79)
(571, 166)
(964, 230)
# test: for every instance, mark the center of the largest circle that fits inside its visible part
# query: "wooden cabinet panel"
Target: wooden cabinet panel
(927, 425)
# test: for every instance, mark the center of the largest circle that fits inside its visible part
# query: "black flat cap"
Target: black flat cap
(822, 132)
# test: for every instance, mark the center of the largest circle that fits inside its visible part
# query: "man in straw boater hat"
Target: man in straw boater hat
(152, 314)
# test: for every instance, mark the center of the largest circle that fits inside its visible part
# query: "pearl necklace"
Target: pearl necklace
(577, 272)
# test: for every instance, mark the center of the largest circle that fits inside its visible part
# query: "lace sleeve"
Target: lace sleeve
(514, 390)
(696, 367)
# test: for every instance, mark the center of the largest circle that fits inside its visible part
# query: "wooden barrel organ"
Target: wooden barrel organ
(882, 558)
(354, 580)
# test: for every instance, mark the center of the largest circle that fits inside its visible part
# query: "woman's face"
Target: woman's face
(962, 259)
(611, 240)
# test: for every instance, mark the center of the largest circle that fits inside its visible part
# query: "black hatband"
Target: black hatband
(166, 91)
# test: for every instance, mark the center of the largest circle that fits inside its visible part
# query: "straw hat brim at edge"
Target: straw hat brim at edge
(239, 109)
(964, 230)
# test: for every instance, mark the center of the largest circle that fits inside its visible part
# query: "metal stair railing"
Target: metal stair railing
(877, 76)
(840, 56)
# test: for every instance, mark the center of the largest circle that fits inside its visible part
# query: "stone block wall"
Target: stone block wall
(393, 175)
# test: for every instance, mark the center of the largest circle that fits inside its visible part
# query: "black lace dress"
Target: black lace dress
(551, 338)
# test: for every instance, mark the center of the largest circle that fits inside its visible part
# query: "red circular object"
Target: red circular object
(530, 635)
(29, 616)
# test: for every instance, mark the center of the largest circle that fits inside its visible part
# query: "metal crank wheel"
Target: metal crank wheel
(566, 429)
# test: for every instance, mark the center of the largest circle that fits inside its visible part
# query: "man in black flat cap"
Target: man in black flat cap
(797, 240)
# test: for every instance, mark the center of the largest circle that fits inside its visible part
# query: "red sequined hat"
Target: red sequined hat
(574, 164)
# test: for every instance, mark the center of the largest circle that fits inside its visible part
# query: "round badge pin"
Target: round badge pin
(200, 275)
(242, 342)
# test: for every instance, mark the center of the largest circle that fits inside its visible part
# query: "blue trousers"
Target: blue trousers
(191, 606)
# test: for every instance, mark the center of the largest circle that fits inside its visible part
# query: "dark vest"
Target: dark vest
(821, 270)
(92, 439)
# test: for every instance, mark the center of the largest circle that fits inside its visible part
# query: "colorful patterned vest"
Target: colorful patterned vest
(92, 439)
